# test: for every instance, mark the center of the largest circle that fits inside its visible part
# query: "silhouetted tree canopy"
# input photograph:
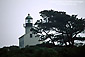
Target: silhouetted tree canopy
(58, 27)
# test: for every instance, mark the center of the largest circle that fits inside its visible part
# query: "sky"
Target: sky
(14, 12)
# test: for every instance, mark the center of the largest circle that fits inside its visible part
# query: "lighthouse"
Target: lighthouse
(28, 39)
(28, 23)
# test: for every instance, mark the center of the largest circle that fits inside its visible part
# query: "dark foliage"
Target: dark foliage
(58, 27)
(36, 51)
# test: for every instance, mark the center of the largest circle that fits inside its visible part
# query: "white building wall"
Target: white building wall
(27, 40)
(21, 41)
(30, 40)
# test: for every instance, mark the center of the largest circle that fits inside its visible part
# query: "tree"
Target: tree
(58, 27)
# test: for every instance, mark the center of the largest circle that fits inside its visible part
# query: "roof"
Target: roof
(29, 17)
(22, 36)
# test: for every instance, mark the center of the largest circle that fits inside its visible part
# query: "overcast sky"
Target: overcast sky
(13, 13)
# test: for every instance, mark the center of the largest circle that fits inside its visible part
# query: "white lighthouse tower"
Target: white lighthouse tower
(28, 23)
(28, 38)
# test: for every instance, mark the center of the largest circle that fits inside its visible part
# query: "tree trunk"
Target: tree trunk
(72, 41)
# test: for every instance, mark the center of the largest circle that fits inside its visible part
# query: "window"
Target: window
(30, 35)
(26, 21)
